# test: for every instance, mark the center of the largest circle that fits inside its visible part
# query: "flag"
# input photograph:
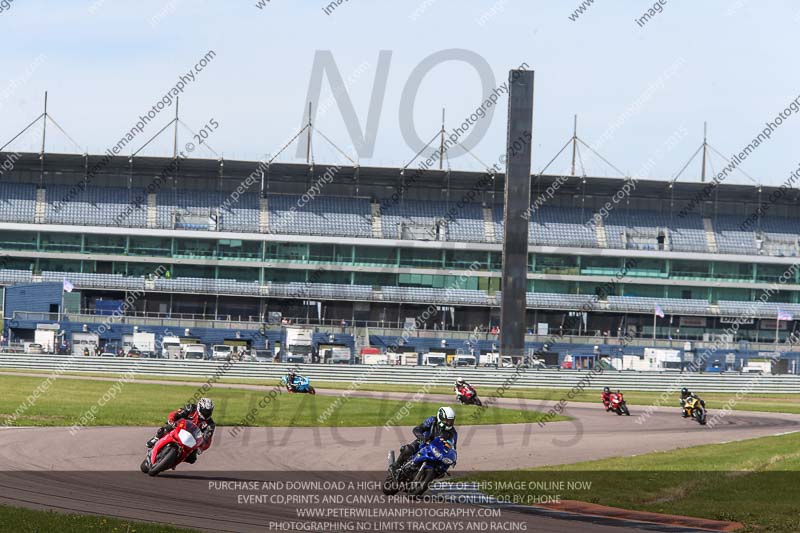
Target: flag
(659, 312)
(784, 315)
(68, 286)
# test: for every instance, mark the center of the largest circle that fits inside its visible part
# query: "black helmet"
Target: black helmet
(606, 389)
(685, 392)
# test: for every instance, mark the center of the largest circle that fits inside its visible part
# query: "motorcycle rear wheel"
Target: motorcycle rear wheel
(164, 461)
(390, 486)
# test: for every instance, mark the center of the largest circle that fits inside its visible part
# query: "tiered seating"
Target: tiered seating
(428, 295)
(685, 234)
(554, 226)
(96, 206)
(561, 226)
(205, 285)
(241, 215)
(731, 239)
(758, 309)
(12, 277)
(638, 304)
(324, 215)
(545, 300)
(462, 222)
(96, 281)
(17, 202)
(319, 290)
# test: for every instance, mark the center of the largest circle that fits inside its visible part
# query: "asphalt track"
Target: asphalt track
(96, 470)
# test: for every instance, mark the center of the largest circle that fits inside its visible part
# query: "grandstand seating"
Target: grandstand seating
(324, 215)
(17, 202)
(95, 206)
(351, 217)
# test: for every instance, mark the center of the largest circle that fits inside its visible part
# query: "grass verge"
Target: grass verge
(773, 403)
(67, 401)
(21, 520)
(755, 482)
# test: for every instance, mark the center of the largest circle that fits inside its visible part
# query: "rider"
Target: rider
(686, 397)
(462, 387)
(199, 413)
(606, 397)
(442, 425)
(293, 379)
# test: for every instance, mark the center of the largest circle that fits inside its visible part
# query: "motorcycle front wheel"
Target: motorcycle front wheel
(311, 390)
(477, 402)
(421, 481)
(701, 416)
(164, 461)
(625, 410)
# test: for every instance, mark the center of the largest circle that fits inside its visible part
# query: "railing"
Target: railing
(441, 376)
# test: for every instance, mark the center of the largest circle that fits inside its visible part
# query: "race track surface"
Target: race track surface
(96, 470)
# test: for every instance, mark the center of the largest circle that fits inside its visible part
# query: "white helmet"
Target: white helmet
(446, 418)
(205, 407)
(460, 381)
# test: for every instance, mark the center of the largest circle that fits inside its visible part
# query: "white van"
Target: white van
(194, 351)
(221, 352)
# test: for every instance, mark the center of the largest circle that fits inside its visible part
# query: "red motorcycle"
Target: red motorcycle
(173, 448)
(468, 396)
(617, 404)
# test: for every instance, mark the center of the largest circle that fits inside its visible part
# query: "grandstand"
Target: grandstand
(377, 248)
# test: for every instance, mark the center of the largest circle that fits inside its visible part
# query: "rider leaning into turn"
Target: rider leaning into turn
(199, 413)
(442, 425)
(606, 397)
(293, 379)
(686, 396)
(462, 386)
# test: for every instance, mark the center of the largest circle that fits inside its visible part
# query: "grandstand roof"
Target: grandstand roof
(388, 177)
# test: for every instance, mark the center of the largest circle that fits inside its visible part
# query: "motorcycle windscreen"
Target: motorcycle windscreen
(187, 438)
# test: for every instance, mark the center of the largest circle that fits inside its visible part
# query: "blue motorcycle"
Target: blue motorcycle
(431, 462)
(298, 384)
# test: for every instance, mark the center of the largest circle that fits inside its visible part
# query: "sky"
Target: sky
(641, 91)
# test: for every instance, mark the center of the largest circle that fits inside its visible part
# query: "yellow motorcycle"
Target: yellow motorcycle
(695, 408)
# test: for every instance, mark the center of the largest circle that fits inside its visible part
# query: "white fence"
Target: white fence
(484, 376)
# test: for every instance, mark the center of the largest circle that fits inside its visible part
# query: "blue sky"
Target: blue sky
(105, 62)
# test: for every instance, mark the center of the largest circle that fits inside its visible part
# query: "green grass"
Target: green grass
(754, 482)
(775, 403)
(20, 520)
(144, 404)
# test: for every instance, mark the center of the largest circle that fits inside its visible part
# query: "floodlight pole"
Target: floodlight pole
(441, 143)
(574, 141)
(705, 152)
(175, 139)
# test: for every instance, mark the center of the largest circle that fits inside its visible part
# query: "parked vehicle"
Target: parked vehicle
(34, 349)
(222, 352)
(134, 352)
(195, 351)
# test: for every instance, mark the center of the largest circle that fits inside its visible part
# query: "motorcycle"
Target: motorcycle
(173, 448)
(431, 462)
(618, 404)
(300, 384)
(696, 409)
(468, 396)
